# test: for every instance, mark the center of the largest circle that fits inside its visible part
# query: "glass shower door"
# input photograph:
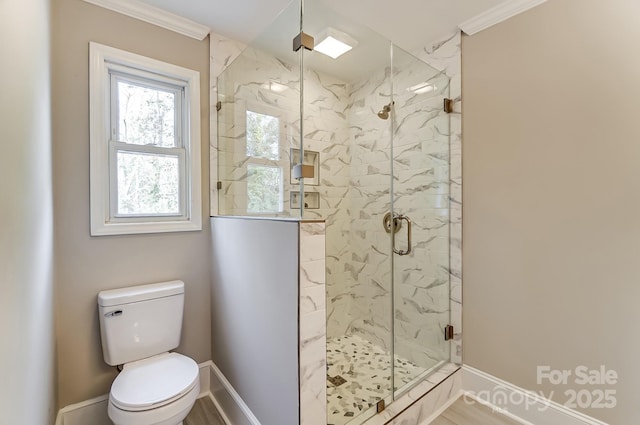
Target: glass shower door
(420, 205)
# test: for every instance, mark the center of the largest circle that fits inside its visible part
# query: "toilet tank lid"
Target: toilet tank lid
(138, 293)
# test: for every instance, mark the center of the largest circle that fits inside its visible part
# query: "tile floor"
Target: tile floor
(366, 376)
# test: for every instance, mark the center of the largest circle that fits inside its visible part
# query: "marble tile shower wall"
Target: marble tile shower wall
(365, 295)
(420, 151)
(326, 130)
(313, 331)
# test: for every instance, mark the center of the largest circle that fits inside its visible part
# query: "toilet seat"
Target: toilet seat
(154, 382)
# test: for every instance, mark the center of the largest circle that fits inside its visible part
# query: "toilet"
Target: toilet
(139, 326)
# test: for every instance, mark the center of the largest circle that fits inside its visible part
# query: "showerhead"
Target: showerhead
(384, 114)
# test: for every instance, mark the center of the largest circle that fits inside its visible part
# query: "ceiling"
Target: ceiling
(410, 24)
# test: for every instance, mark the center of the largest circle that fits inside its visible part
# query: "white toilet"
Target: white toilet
(138, 327)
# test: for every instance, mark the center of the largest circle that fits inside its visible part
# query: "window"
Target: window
(264, 189)
(263, 136)
(264, 171)
(145, 145)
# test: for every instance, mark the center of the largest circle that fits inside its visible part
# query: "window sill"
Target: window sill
(106, 229)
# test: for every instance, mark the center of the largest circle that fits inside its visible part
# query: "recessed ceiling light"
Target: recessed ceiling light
(334, 43)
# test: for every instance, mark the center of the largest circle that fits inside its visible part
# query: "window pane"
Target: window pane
(146, 116)
(148, 184)
(264, 189)
(263, 136)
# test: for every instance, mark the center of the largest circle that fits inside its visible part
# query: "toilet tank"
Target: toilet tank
(140, 321)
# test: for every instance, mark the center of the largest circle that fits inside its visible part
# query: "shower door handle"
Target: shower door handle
(399, 251)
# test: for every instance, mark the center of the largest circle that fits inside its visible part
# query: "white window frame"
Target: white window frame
(105, 63)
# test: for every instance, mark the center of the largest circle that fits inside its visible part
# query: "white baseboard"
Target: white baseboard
(521, 405)
(228, 402)
(92, 412)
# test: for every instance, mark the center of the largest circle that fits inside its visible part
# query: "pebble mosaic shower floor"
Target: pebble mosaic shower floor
(359, 375)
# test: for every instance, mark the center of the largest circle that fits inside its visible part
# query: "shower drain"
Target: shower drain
(336, 380)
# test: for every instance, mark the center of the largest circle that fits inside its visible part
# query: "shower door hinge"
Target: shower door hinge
(218, 106)
(380, 406)
(219, 185)
(448, 332)
(448, 105)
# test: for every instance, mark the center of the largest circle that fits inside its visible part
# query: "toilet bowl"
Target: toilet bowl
(138, 327)
(160, 390)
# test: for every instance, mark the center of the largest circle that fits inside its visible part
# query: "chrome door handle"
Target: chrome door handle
(399, 251)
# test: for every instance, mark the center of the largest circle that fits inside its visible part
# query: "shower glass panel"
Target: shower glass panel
(370, 135)
(420, 193)
(259, 124)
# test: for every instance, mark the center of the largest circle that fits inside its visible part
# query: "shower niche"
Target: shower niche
(370, 135)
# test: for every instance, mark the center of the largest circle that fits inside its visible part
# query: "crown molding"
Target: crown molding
(497, 14)
(156, 16)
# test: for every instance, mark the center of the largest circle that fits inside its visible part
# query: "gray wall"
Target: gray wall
(84, 264)
(254, 313)
(27, 393)
(551, 197)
